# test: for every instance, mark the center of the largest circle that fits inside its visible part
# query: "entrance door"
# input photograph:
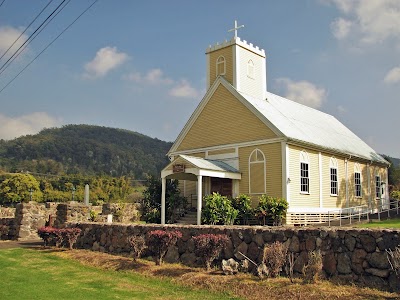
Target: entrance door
(222, 186)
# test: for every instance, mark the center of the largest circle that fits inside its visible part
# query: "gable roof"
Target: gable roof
(294, 121)
(304, 124)
(209, 164)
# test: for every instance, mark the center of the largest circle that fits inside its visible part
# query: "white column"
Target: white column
(320, 179)
(346, 162)
(163, 188)
(199, 197)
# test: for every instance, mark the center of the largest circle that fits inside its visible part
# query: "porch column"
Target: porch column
(163, 186)
(199, 197)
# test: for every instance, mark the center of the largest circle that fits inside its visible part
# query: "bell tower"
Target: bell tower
(240, 63)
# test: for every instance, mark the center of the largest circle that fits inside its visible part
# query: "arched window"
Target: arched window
(304, 173)
(333, 166)
(257, 179)
(250, 69)
(357, 180)
(221, 68)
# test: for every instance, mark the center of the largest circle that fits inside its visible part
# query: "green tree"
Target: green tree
(20, 188)
(218, 210)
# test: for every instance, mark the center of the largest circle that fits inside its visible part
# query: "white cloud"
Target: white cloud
(152, 77)
(12, 127)
(341, 109)
(106, 59)
(393, 76)
(371, 20)
(303, 92)
(8, 36)
(183, 89)
(341, 28)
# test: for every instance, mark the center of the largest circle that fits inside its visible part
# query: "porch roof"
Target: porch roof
(200, 166)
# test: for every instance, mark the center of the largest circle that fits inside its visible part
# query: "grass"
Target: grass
(389, 223)
(82, 274)
(39, 274)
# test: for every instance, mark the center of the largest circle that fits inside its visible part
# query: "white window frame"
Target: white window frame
(220, 60)
(378, 183)
(263, 161)
(304, 161)
(333, 165)
(250, 69)
(357, 185)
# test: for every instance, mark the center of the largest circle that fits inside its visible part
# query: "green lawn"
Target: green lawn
(390, 223)
(34, 274)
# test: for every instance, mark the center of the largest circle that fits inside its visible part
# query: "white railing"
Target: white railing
(348, 213)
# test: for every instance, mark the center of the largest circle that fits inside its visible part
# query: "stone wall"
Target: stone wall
(122, 212)
(7, 229)
(71, 212)
(31, 216)
(351, 254)
(7, 212)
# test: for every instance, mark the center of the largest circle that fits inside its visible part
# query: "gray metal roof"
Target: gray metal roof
(209, 164)
(307, 125)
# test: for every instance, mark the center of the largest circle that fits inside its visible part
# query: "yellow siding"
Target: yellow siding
(251, 86)
(329, 201)
(273, 157)
(224, 120)
(198, 154)
(222, 151)
(296, 198)
(227, 53)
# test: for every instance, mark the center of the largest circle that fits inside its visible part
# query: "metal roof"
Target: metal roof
(307, 125)
(209, 164)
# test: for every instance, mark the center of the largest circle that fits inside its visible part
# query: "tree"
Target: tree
(20, 188)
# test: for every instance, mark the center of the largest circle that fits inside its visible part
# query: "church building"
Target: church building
(242, 139)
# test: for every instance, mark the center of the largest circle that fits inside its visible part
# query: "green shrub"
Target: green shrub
(395, 195)
(209, 246)
(271, 208)
(218, 210)
(242, 204)
(158, 242)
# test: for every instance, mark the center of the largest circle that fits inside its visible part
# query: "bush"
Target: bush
(274, 258)
(242, 204)
(313, 269)
(271, 208)
(158, 242)
(138, 245)
(209, 246)
(218, 210)
(59, 236)
(393, 258)
(4, 229)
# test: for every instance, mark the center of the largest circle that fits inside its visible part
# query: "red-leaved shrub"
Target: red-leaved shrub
(158, 242)
(209, 246)
(59, 236)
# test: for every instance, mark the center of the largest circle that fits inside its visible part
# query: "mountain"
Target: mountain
(85, 149)
(394, 161)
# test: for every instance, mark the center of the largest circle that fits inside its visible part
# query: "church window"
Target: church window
(357, 180)
(221, 66)
(333, 166)
(257, 179)
(250, 69)
(377, 186)
(304, 173)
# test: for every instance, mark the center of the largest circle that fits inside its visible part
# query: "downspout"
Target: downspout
(347, 180)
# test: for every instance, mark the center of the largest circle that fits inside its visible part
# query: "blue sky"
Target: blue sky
(140, 65)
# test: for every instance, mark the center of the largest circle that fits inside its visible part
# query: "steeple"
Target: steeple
(240, 63)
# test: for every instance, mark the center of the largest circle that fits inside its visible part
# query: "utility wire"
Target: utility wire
(31, 40)
(30, 37)
(65, 29)
(25, 28)
(2, 3)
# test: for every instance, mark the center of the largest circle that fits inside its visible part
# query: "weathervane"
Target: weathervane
(235, 29)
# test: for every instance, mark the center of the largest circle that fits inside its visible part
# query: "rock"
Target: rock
(310, 243)
(294, 244)
(228, 250)
(367, 242)
(230, 266)
(349, 242)
(244, 266)
(300, 262)
(378, 272)
(329, 263)
(259, 240)
(172, 255)
(189, 259)
(243, 249)
(253, 251)
(344, 263)
(378, 260)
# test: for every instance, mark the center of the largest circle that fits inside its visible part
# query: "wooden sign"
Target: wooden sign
(178, 168)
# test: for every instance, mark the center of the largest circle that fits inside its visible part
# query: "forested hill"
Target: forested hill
(85, 149)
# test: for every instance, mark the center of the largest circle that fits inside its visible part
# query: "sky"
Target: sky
(141, 65)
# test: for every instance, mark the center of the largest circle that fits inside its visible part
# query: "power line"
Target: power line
(25, 28)
(65, 29)
(31, 40)
(2, 3)
(33, 34)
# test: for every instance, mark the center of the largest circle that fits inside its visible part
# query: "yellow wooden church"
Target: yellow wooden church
(242, 139)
